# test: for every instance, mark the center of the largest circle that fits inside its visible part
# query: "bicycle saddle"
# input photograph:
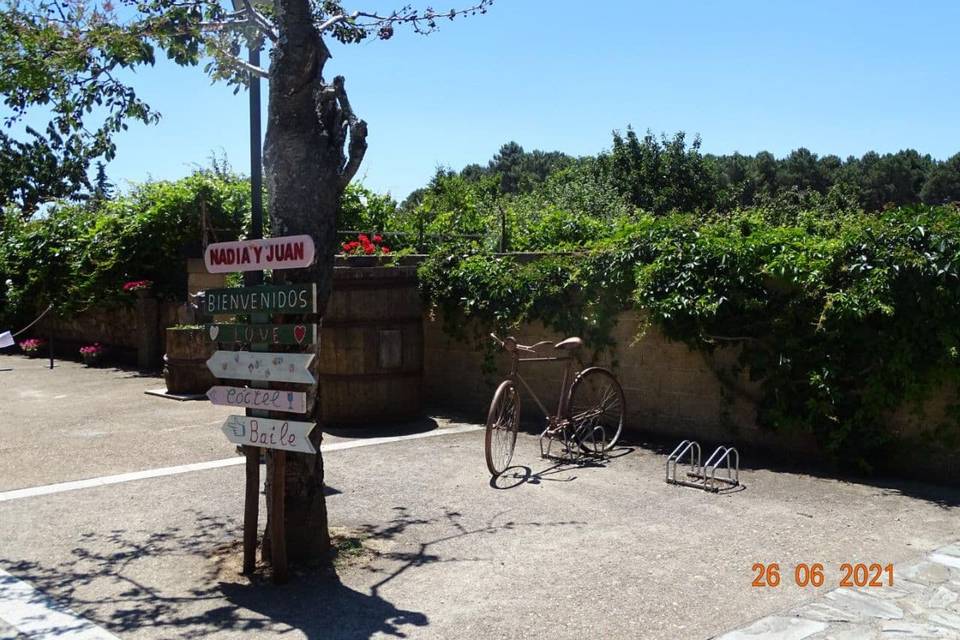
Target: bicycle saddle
(570, 343)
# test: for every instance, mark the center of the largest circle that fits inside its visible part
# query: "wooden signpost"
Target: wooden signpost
(290, 298)
(289, 252)
(263, 399)
(262, 368)
(271, 334)
(285, 435)
(269, 367)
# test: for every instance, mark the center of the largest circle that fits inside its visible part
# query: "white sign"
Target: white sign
(6, 340)
(269, 433)
(250, 365)
(288, 252)
(266, 399)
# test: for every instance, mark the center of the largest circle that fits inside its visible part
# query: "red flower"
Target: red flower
(364, 240)
(135, 285)
(369, 248)
(384, 250)
(377, 239)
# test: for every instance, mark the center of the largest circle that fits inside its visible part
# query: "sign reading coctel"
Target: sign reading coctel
(288, 252)
(263, 399)
(271, 434)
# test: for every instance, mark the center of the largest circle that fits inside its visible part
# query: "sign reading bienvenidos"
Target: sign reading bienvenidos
(289, 298)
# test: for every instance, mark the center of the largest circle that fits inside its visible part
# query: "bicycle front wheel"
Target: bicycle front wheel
(596, 408)
(503, 420)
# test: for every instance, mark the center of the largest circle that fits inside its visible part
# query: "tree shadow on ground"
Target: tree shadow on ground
(122, 581)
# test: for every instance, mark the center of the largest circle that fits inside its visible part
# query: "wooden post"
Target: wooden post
(278, 534)
(251, 489)
(50, 345)
(251, 509)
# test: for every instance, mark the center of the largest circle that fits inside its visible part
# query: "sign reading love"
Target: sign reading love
(270, 334)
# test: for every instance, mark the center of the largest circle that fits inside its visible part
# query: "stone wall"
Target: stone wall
(672, 393)
(118, 328)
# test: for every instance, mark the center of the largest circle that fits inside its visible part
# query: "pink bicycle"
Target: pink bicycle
(589, 416)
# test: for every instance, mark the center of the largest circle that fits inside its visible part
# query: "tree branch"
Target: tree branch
(423, 23)
(265, 25)
(257, 71)
(358, 134)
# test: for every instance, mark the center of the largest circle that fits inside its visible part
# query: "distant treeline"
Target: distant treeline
(661, 174)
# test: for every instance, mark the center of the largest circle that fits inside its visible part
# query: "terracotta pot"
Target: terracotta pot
(92, 359)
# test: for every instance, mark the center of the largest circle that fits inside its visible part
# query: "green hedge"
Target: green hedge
(79, 255)
(841, 318)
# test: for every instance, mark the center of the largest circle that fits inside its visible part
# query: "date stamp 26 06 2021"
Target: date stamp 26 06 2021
(852, 574)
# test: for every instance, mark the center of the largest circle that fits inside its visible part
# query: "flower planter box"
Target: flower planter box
(185, 363)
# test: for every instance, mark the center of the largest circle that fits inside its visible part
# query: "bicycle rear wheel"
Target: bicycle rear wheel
(596, 408)
(503, 420)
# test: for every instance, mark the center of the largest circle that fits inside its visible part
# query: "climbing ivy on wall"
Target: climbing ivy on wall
(840, 318)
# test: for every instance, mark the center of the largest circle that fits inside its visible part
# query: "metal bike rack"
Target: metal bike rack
(691, 449)
(572, 451)
(704, 476)
(708, 479)
(721, 454)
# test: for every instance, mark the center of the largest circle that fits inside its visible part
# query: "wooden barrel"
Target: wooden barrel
(185, 362)
(371, 347)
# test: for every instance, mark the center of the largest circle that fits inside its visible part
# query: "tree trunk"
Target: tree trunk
(306, 170)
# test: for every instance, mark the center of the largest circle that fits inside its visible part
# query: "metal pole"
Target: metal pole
(256, 163)
(251, 496)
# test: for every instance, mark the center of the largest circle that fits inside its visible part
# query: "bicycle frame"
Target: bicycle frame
(564, 385)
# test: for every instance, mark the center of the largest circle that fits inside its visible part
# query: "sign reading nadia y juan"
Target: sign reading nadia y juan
(288, 252)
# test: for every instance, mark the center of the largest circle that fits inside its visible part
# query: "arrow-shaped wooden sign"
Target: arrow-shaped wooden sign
(267, 298)
(271, 367)
(289, 252)
(265, 399)
(293, 334)
(269, 433)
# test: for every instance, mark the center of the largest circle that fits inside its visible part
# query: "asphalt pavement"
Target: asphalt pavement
(603, 551)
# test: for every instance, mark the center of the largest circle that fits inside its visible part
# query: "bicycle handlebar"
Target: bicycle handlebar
(510, 344)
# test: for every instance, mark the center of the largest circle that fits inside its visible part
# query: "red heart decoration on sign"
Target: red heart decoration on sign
(299, 332)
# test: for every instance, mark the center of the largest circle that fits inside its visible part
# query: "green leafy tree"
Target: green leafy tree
(661, 175)
(62, 57)
(943, 184)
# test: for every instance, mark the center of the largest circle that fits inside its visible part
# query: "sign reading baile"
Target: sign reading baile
(269, 433)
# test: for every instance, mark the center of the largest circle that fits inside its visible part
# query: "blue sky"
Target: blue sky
(836, 77)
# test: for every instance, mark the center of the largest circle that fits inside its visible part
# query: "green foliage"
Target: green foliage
(364, 210)
(76, 255)
(840, 318)
(661, 175)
